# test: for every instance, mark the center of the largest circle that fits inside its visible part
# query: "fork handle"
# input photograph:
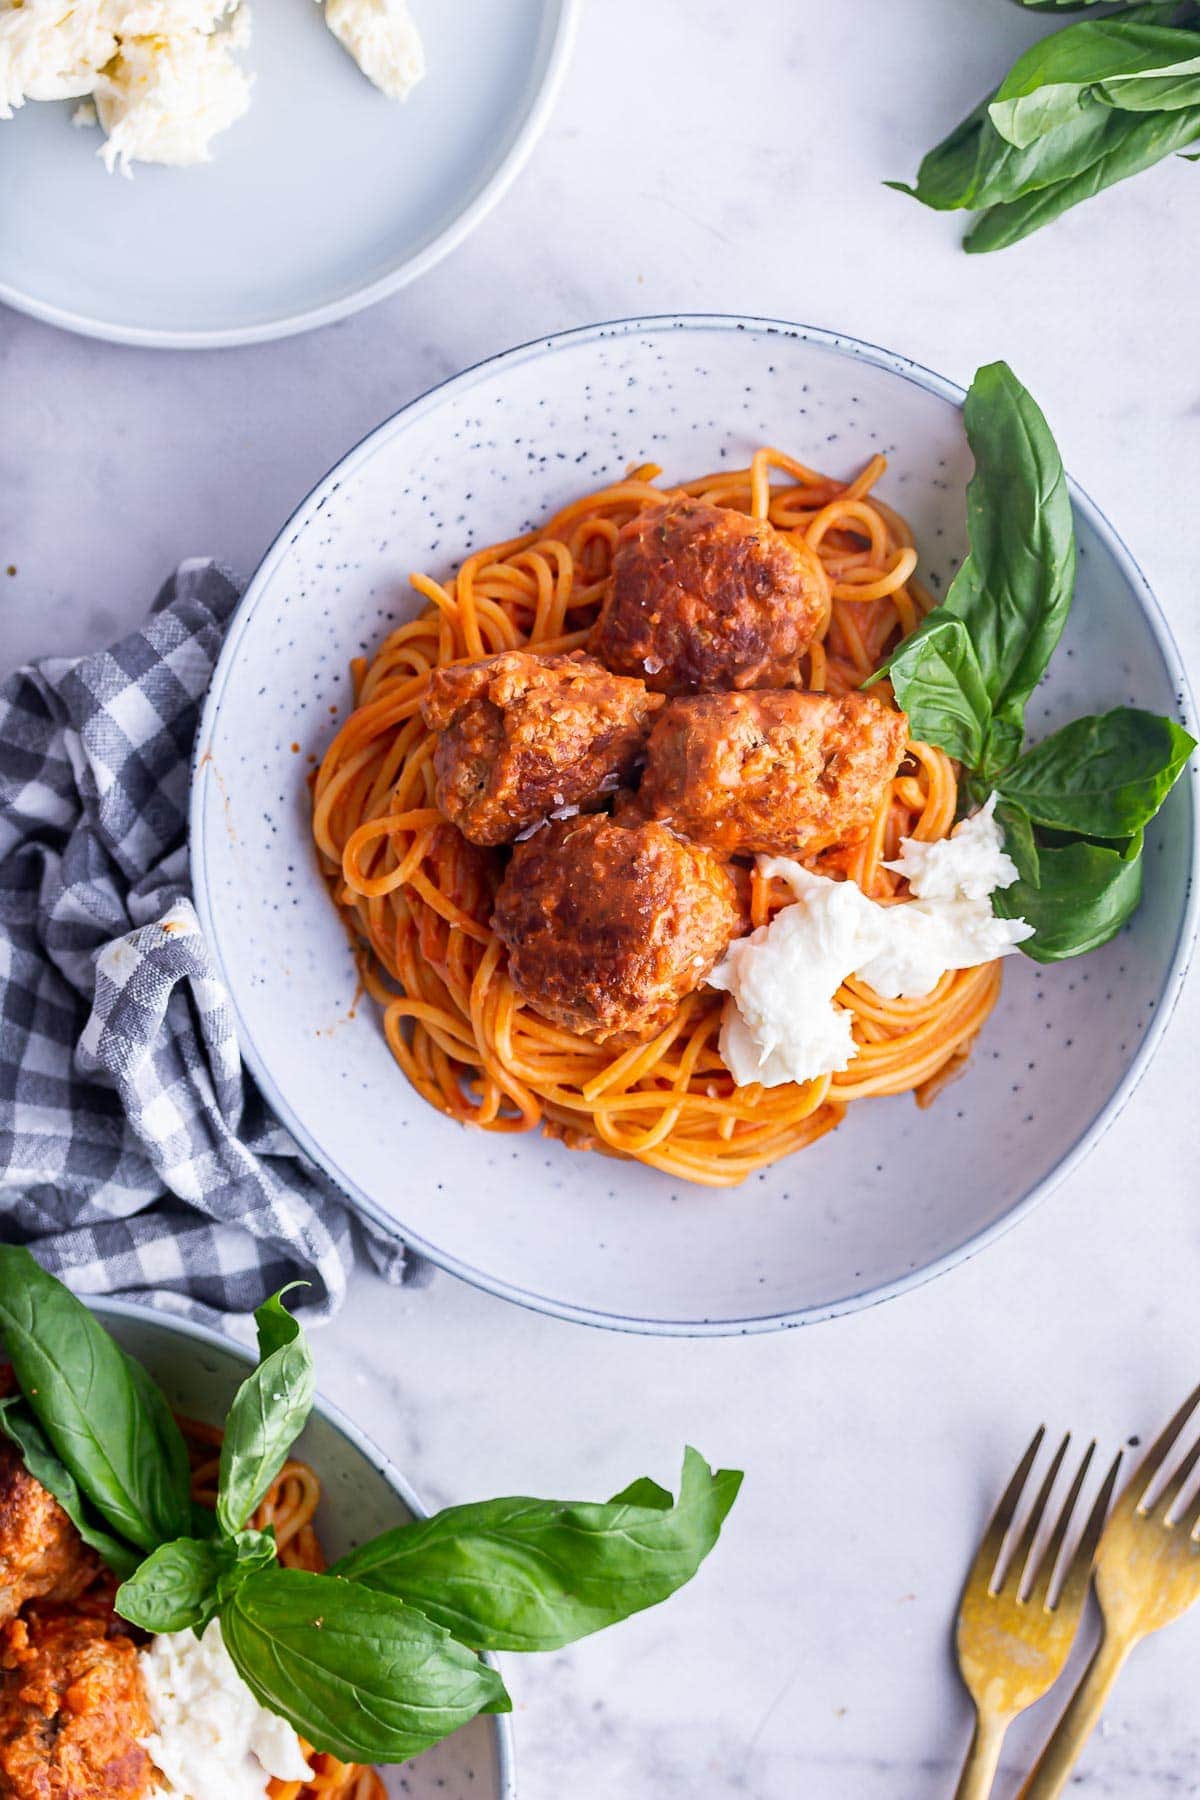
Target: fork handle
(1053, 1767)
(983, 1758)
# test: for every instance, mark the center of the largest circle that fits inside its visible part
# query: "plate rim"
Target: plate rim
(142, 1313)
(1181, 954)
(227, 337)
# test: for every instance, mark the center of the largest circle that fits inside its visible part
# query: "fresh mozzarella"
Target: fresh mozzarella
(161, 74)
(164, 99)
(970, 864)
(781, 1022)
(212, 1740)
(383, 39)
(51, 51)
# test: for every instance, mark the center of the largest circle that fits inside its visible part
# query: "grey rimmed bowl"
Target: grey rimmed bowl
(362, 1495)
(896, 1194)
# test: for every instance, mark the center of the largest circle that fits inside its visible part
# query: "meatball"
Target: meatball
(703, 597)
(42, 1556)
(608, 928)
(72, 1707)
(522, 736)
(787, 773)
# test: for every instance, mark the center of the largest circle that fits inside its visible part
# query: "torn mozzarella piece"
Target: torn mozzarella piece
(164, 99)
(383, 39)
(781, 1021)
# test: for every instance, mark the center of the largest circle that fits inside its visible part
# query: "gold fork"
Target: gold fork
(1014, 1632)
(1147, 1573)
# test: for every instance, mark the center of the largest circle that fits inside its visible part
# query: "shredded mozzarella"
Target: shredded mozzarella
(160, 75)
(163, 100)
(52, 51)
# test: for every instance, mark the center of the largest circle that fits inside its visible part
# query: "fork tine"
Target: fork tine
(988, 1554)
(1159, 1450)
(1079, 1572)
(1014, 1572)
(1039, 1591)
(1193, 1517)
(1174, 1488)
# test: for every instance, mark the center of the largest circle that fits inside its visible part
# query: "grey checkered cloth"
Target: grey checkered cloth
(136, 1155)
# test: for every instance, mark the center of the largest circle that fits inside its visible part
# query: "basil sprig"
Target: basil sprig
(1074, 807)
(1090, 105)
(379, 1658)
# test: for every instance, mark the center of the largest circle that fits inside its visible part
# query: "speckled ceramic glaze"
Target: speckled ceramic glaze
(362, 1496)
(895, 1194)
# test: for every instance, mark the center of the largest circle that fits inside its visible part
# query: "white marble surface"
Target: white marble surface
(694, 166)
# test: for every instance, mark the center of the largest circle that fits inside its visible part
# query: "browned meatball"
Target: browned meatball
(703, 597)
(523, 736)
(786, 773)
(72, 1707)
(607, 929)
(42, 1555)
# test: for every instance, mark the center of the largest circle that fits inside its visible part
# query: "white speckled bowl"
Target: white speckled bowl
(362, 1495)
(892, 1197)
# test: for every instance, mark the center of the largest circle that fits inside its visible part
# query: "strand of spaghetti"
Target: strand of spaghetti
(857, 585)
(864, 520)
(865, 480)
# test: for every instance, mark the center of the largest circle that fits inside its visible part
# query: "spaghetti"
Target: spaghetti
(418, 896)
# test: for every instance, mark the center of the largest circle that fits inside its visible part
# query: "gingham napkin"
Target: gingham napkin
(136, 1155)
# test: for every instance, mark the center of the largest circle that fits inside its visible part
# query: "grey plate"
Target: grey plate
(326, 197)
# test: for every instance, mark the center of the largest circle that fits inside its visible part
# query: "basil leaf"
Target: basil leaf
(276, 1326)
(1083, 894)
(1105, 775)
(358, 1673)
(22, 1429)
(936, 678)
(1014, 590)
(176, 1586)
(644, 1492)
(975, 167)
(522, 1574)
(1019, 840)
(104, 1417)
(1144, 141)
(949, 174)
(253, 1550)
(1146, 8)
(1154, 93)
(1045, 86)
(187, 1582)
(268, 1413)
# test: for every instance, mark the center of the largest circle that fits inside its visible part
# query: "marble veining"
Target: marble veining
(738, 171)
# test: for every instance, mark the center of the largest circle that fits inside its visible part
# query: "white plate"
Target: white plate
(362, 1495)
(325, 197)
(894, 1194)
